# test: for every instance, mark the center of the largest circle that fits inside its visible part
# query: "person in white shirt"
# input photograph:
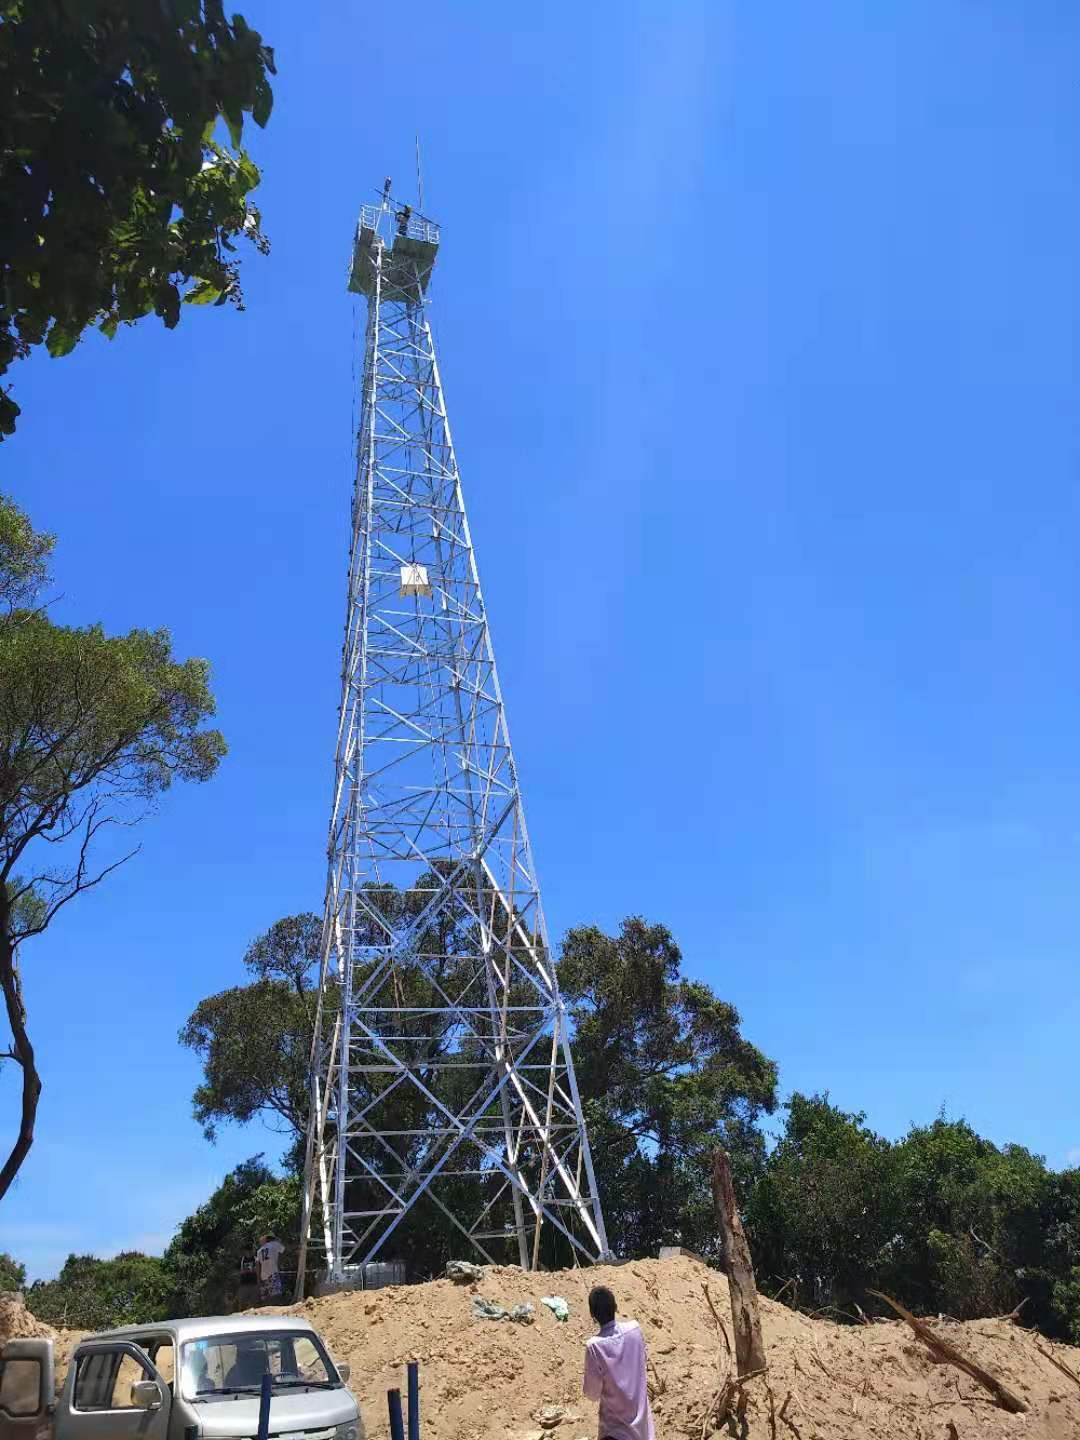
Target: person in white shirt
(268, 1258)
(615, 1372)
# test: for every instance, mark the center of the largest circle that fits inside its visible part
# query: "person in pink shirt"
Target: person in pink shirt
(615, 1372)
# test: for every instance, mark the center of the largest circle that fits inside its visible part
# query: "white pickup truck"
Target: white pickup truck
(180, 1380)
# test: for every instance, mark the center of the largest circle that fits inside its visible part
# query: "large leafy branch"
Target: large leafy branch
(116, 199)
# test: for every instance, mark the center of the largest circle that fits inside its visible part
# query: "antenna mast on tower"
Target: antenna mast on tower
(442, 1084)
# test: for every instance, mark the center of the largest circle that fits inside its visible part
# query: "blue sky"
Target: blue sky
(760, 327)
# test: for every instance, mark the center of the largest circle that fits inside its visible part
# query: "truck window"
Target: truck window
(225, 1364)
(20, 1386)
(305, 1360)
(161, 1353)
(104, 1381)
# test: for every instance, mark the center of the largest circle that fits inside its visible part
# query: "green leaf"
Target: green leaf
(168, 305)
(9, 413)
(205, 293)
(60, 341)
(168, 200)
(234, 118)
(247, 172)
(264, 101)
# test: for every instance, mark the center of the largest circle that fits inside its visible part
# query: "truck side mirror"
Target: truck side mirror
(146, 1395)
(344, 1370)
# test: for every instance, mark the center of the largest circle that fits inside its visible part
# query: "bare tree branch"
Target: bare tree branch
(78, 887)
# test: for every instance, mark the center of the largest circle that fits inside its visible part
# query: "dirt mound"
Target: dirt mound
(488, 1380)
(16, 1322)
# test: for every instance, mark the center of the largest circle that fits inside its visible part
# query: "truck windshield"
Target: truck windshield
(235, 1364)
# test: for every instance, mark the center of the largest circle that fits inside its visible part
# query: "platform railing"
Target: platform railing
(414, 228)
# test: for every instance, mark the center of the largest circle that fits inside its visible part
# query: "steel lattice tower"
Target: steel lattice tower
(442, 1079)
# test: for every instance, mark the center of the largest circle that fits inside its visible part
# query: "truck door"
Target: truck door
(113, 1392)
(26, 1388)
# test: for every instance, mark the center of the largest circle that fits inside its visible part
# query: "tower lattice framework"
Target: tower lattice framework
(442, 1082)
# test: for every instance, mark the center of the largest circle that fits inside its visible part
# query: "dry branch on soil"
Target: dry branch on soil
(1059, 1363)
(945, 1351)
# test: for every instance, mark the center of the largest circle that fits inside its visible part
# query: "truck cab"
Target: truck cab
(196, 1379)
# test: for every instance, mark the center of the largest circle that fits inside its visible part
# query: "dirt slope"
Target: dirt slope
(483, 1380)
(16, 1322)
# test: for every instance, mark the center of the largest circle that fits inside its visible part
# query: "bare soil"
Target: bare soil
(16, 1322)
(487, 1380)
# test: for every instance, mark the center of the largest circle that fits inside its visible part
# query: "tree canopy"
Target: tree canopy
(666, 1075)
(93, 1294)
(255, 1042)
(942, 1218)
(663, 1070)
(93, 729)
(201, 1264)
(197, 1275)
(255, 1039)
(117, 199)
(12, 1273)
(822, 1214)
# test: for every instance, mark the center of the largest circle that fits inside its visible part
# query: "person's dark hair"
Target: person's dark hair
(601, 1305)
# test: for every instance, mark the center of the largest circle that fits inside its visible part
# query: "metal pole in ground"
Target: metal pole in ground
(397, 1425)
(264, 1406)
(414, 1400)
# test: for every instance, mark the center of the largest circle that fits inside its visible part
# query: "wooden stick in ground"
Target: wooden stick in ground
(1059, 1363)
(719, 1323)
(745, 1311)
(942, 1348)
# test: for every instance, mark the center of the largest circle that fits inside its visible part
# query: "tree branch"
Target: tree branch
(24, 1051)
(78, 886)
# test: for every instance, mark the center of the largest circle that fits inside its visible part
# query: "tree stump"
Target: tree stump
(745, 1312)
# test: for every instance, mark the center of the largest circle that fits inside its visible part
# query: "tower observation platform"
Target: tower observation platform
(406, 244)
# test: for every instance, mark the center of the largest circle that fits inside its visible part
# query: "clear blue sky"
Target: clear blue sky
(760, 326)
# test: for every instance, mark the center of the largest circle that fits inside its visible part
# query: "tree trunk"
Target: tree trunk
(22, 1052)
(745, 1313)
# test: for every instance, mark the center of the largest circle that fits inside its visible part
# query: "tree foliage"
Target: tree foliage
(822, 1215)
(255, 1042)
(24, 559)
(12, 1273)
(201, 1265)
(666, 1076)
(93, 728)
(664, 1073)
(93, 1294)
(255, 1039)
(943, 1219)
(116, 199)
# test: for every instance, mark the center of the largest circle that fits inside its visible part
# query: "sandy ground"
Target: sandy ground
(16, 1323)
(484, 1380)
(487, 1380)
